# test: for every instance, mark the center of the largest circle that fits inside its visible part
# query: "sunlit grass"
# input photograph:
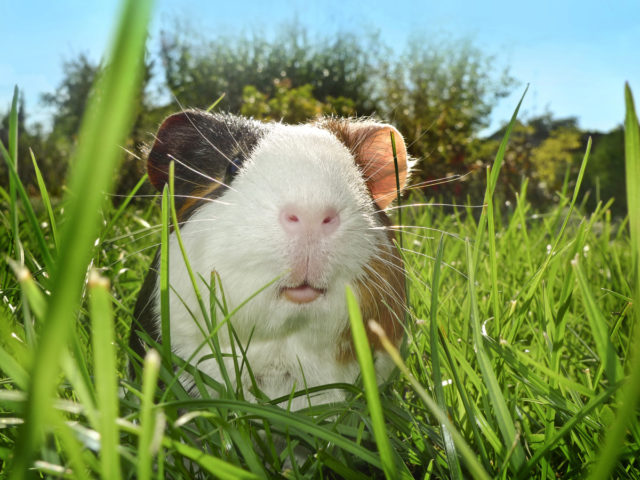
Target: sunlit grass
(521, 357)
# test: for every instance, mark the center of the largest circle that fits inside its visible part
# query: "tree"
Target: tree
(70, 98)
(555, 155)
(292, 105)
(541, 150)
(440, 96)
(69, 102)
(199, 71)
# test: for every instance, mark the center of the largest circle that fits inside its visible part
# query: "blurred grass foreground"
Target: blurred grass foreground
(522, 356)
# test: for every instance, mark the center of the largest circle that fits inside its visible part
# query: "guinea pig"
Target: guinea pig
(296, 213)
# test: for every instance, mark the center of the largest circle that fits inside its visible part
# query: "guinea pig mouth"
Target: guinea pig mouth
(303, 293)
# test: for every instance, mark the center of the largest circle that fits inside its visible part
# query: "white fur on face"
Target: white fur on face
(241, 238)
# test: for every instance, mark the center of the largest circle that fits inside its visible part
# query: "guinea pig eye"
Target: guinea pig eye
(234, 165)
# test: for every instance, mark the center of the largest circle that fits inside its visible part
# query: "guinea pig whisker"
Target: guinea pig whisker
(426, 183)
(194, 197)
(385, 285)
(204, 175)
(132, 254)
(151, 230)
(407, 229)
(133, 154)
(178, 177)
(422, 134)
(439, 181)
(413, 234)
(397, 207)
(386, 288)
(398, 268)
(408, 250)
(140, 234)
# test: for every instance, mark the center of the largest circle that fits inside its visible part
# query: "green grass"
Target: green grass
(521, 361)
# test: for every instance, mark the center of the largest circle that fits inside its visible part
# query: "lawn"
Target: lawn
(520, 359)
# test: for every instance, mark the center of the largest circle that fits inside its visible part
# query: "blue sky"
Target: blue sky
(576, 55)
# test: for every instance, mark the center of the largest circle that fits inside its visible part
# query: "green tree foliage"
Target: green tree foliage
(555, 155)
(68, 103)
(440, 95)
(198, 71)
(292, 105)
(540, 150)
(69, 100)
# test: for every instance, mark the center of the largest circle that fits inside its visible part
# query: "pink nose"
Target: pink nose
(309, 221)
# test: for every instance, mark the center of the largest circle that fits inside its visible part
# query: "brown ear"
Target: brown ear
(370, 143)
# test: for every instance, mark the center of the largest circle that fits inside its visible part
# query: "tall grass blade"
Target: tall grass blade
(106, 373)
(474, 466)
(215, 103)
(626, 416)
(493, 177)
(147, 415)
(632, 169)
(599, 328)
(554, 249)
(44, 194)
(365, 359)
(104, 127)
(13, 161)
(279, 416)
(164, 276)
(31, 215)
(449, 444)
(215, 466)
(11, 367)
(500, 409)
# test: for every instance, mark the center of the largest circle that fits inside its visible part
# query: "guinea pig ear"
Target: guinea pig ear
(370, 143)
(180, 139)
(375, 158)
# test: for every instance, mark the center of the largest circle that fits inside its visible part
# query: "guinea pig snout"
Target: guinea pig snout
(300, 221)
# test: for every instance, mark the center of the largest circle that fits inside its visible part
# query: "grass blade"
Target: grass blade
(213, 465)
(164, 276)
(474, 466)
(147, 415)
(599, 328)
(501, 411)
(104, 128)
(626, 416)
(493, 176)
(12, 158)
(106, 379)
(31, 215)
(449, 444)
(632, 169)
(123, 206)
(365, 359)
(44, 194)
